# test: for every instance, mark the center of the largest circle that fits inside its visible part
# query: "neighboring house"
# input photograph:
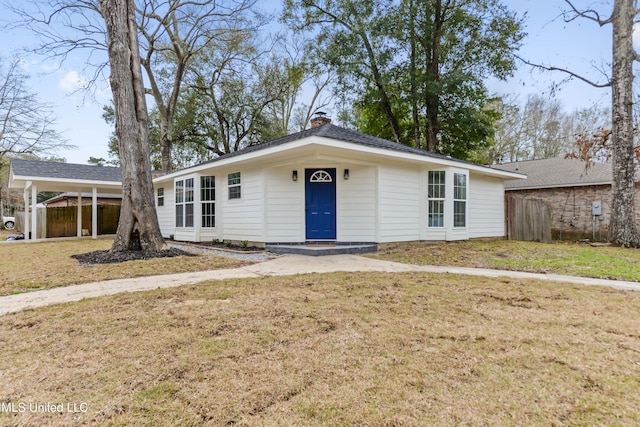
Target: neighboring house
(570, 190)
(331, 184)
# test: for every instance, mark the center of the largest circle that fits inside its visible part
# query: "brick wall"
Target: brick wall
(570, 209)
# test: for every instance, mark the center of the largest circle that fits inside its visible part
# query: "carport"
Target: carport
(33, 176)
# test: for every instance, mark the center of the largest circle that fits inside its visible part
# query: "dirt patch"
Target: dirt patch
(108, 257)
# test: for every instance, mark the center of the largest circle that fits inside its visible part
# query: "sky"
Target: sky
(581, 46)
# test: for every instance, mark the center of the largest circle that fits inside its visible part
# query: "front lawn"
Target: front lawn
(573, 259)
(48, 264)
(347, 349)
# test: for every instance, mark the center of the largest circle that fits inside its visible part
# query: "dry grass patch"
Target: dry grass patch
(32, 266)
(6, 233)
(335, 349)
(575, 259)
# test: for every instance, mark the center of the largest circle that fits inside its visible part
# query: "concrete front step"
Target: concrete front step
(321, 248)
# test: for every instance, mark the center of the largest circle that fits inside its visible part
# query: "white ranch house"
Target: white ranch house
(325, 184)
(330, 184)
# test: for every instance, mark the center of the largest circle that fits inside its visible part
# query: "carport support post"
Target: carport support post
(34, 211)
(94, 213)
(25, 217)
(79, 228)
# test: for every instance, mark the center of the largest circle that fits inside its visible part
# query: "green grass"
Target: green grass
(574, 259)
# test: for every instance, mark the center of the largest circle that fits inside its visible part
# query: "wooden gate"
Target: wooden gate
(528, 220)
(62, 222)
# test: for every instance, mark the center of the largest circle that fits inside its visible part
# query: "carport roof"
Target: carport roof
(43, 169)
(57, 176)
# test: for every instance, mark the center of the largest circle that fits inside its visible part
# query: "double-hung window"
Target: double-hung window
(180, 203)
(459, 200)
(435, 198)
(208, 200)
(161, 196)
(184, 202)
(233, 181)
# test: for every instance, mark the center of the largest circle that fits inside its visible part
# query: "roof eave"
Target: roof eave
(80, 183)
(566, 185)
(336, 143)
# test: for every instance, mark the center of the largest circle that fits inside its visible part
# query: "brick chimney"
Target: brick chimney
(320, 120)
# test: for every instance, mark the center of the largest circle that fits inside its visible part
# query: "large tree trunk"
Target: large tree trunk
(138, 226)
(415, 113)
(432, 101)
(623, 230)
(385, 102)
(166, 141)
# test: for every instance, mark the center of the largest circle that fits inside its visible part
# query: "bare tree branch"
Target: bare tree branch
(590, 14)
(564, 70)
(27, 126)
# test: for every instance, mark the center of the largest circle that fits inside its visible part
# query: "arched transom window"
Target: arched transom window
(320, 176)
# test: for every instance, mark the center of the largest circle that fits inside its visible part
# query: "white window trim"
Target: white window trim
(320, 176)
(203, 202)
(184, 202)
(160, 197)
(230, 186)
(465, 200)
(443, 200)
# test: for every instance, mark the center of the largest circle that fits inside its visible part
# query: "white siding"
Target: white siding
(243, 218)
(378, 203)
(166, 213)
(486, 207)
(399, 204)
(357, 213)
(208, 234)
(284, 206)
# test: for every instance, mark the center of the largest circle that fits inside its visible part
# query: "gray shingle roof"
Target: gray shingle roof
(556, 172)
(337, 133)
(43, 169)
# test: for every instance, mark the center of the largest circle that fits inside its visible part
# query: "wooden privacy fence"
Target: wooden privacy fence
(528, 220)
(62, 222)
(40, 219)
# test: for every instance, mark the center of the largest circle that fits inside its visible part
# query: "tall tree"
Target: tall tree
(418, 66)
(305, 75)
(623, 228)
(350, 38)
(174, 33)
(233, 84)
(138, 227)
(244, 91)
(541, 128)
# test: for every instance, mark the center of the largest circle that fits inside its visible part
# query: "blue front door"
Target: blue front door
(320, 200)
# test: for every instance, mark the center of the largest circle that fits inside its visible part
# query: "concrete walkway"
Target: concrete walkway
(282, 266)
